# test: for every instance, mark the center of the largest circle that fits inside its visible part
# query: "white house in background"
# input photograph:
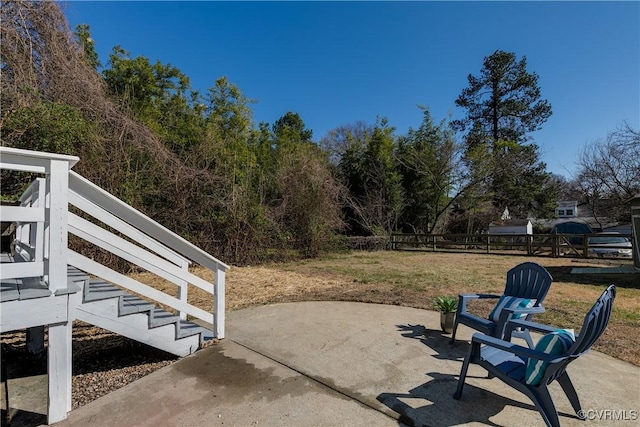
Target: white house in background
(567, 209)
(511, 226)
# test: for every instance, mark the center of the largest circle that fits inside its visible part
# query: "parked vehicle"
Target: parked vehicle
(610, 245)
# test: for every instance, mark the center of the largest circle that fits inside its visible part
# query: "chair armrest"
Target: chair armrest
(508, 313)
(532, 326)
(518, 350)
(464, 298)
(478, 296)
(524, 310)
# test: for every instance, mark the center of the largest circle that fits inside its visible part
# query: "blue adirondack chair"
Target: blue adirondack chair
(527, 286)
(530, 371)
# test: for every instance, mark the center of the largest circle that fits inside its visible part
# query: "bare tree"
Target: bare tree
(309, 204)
(44, 69)
(609, 173)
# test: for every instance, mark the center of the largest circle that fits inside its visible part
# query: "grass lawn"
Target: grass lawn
(413, 279)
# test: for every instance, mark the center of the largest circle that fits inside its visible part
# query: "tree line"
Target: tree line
(197, 163)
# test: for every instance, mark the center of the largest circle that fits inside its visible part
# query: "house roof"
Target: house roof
(510, 223)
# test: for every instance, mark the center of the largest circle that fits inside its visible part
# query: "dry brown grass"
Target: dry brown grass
(413, 279)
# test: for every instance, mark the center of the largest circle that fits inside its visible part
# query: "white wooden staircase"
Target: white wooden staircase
(45, 283)
(108, 306)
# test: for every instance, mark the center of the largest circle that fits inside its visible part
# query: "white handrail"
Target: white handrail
(63, 187)
(126, 229)
(32, 161)
(117, 207)
(95, 268)
(22, 214)
(132, 253)
(27, 196)
(174, 252)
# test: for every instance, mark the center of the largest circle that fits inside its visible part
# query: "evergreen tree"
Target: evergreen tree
(290, 129)
(368, 169)
(427, 158)
(503, 105)
(159, 95)
(83, 34)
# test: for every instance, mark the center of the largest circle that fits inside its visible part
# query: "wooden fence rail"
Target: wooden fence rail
(555, 245)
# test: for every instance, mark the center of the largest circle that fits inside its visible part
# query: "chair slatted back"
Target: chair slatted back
(595, 322)
(528, 280)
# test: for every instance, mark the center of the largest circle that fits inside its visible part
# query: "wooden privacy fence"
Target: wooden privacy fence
(555, 245)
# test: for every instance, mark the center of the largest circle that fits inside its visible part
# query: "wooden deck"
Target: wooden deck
(34, 287)
(623, 269)
(21, 289)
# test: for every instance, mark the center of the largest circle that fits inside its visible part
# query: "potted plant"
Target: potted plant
(447, 307)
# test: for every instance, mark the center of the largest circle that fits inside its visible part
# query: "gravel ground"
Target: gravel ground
(102, 361)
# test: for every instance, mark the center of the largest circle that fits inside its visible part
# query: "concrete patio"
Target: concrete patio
(338, 363)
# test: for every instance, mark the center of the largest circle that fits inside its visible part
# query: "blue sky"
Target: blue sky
(336, 63)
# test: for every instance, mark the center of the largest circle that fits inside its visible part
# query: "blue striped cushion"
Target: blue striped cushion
(510, 302)
(557, 342)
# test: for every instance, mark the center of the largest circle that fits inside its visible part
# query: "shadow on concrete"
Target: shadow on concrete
(432, 403)
(437, 341)
(18, 367)
(18, 418)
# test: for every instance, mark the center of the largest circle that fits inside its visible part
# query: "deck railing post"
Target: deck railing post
(39, 197)
(57, 223)
(56, 219)
(59, 371)
(219, 304)
(182, 288)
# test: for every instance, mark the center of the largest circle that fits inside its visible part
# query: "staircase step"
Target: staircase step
(99, 290)
(186, 329)
(159, 317)
(75, 275)
(130, 304)
(148, 323)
